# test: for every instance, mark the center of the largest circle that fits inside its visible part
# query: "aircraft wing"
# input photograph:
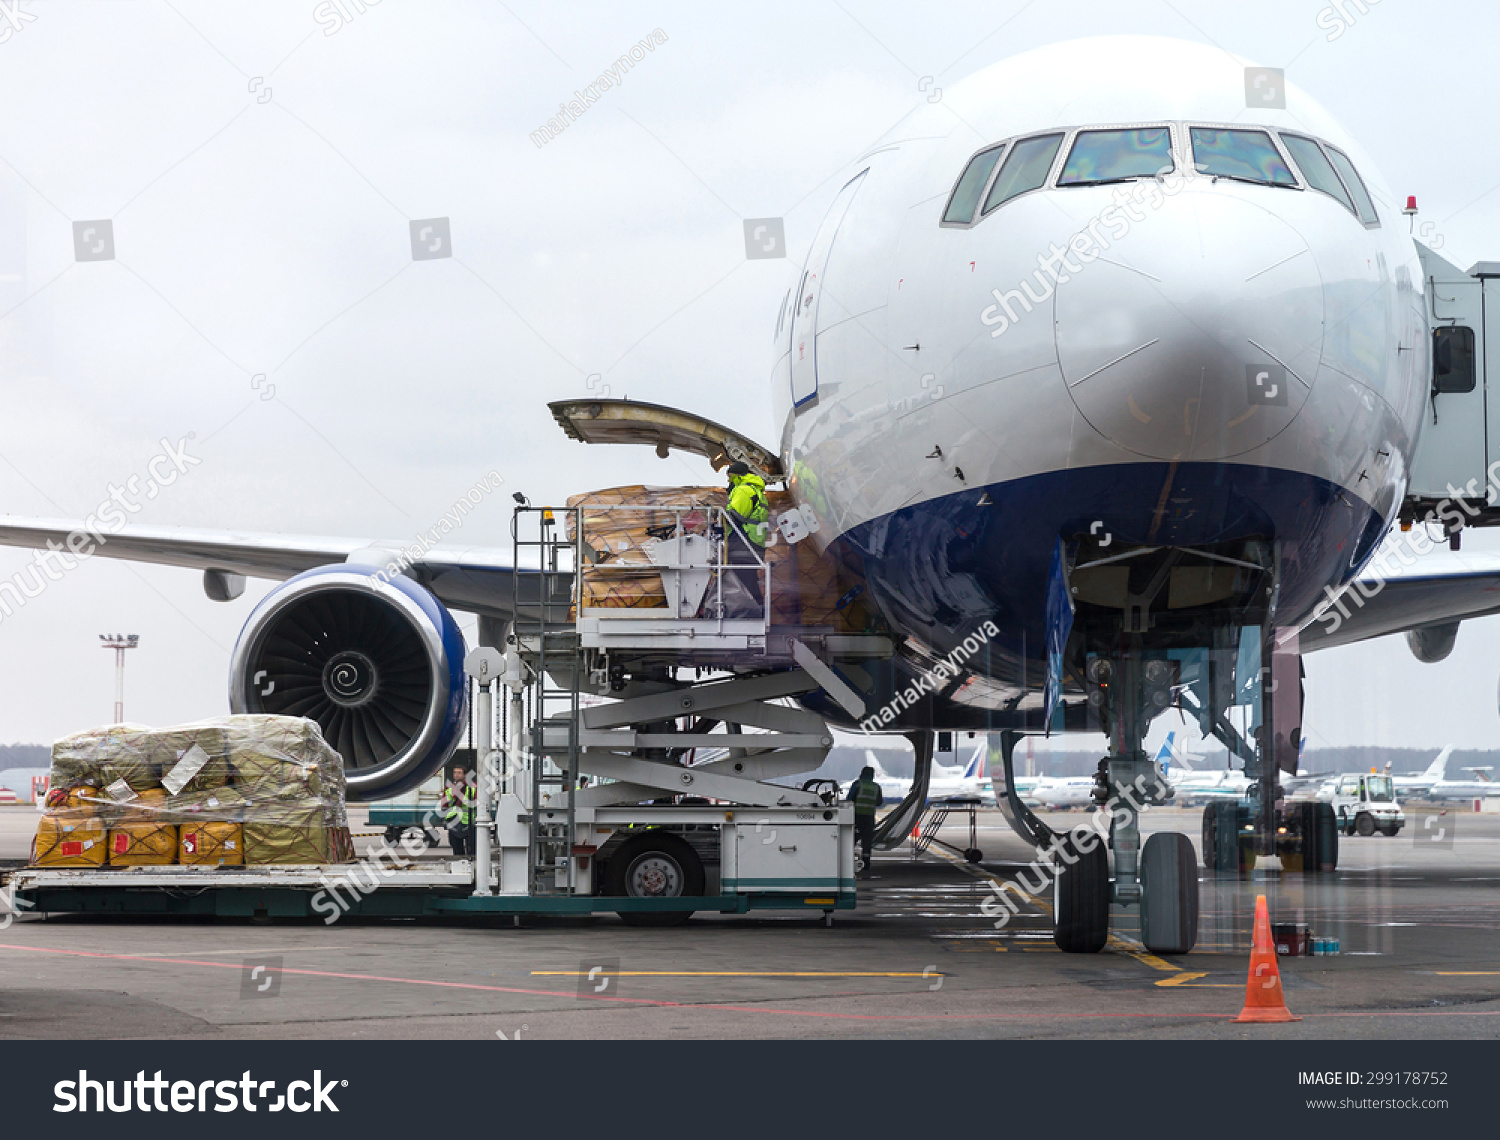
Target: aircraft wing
(478, 580)
(1441, 589)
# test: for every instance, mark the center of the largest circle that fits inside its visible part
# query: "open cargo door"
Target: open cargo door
(627, 421)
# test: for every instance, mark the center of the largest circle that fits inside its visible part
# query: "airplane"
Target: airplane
(945, 782)
(968, 780)
(1100, 380)
(1061, 792)
(1434, 784)
(1423, 782)
(1198, 786)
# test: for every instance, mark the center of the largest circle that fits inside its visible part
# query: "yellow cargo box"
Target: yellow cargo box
(217, 844)
(69, 840)
(142, 845)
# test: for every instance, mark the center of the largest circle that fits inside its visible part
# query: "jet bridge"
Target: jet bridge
(1459, 446)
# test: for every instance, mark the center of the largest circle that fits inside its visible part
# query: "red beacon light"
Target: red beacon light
(1411, 204)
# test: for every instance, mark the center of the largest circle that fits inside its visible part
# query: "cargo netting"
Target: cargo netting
(232, 791)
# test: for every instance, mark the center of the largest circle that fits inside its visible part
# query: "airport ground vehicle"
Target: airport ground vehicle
(597, 808)
(1366, 804)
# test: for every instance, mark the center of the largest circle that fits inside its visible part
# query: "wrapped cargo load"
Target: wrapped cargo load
(620, 524)
(238, 789)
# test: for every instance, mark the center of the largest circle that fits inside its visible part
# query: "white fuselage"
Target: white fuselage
(946, 432)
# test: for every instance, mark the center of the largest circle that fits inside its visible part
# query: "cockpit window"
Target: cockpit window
(1316, 169)
(1354, 184)
(1107, 156)
(1025, 168)
(971, 185)
(1247, 155)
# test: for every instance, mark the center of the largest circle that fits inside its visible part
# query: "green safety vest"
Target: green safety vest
(458, 811)
(747, 502)
(866, 796)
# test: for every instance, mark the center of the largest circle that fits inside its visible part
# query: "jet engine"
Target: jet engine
(378, 664)
(1431, 643)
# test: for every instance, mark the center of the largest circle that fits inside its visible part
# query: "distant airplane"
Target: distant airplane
(1421, 784)
(1433, 784)
(1195, 787)
(970, 780)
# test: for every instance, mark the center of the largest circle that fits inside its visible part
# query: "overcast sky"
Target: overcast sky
(261, 175)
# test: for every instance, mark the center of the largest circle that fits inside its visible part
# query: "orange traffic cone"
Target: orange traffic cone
(1263, 997)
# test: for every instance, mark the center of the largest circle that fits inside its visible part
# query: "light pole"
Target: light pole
(119, 642)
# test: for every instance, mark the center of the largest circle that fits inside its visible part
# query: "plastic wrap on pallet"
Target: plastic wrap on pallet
(238, 789)
(809, 586)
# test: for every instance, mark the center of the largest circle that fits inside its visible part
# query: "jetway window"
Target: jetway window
(1026, 168)
(1317, 170)
(1250, 156)
(1108, 156)
(1355, 185)
(970, 186)
(1453, 359)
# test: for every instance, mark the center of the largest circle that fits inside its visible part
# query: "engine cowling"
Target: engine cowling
(1432, 643)
(378, 664)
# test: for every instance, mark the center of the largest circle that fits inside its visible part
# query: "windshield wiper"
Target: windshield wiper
(1102, 181)
(1251, 181)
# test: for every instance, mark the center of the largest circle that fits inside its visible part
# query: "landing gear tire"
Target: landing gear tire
(1319, 828)
(1221, 836)
(1364, 825)
(1169, 894)
(654, 864)
(1081, 895)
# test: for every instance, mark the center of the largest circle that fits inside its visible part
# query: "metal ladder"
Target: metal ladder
(546, 627)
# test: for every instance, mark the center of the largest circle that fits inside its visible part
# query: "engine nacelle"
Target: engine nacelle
(378, 664)
(1431, 643)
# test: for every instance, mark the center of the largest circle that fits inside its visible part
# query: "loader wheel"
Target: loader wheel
(654, 864)
(1364, 825)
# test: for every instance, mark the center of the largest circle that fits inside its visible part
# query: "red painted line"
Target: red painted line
(735, 1008)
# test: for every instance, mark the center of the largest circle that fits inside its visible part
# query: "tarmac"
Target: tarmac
(1417, 917)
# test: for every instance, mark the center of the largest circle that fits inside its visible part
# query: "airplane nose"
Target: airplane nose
(1195, 336)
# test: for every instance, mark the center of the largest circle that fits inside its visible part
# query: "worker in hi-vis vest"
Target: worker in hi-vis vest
(749, 527)
(457, 806)
(866, 796)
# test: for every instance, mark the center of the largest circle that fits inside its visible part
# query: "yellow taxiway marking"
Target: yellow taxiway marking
(743, 974)
(1183, 978)
(1466, 973)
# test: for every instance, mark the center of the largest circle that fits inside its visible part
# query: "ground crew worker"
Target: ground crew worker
(457, 806)
(749, 528)
(866, 796)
